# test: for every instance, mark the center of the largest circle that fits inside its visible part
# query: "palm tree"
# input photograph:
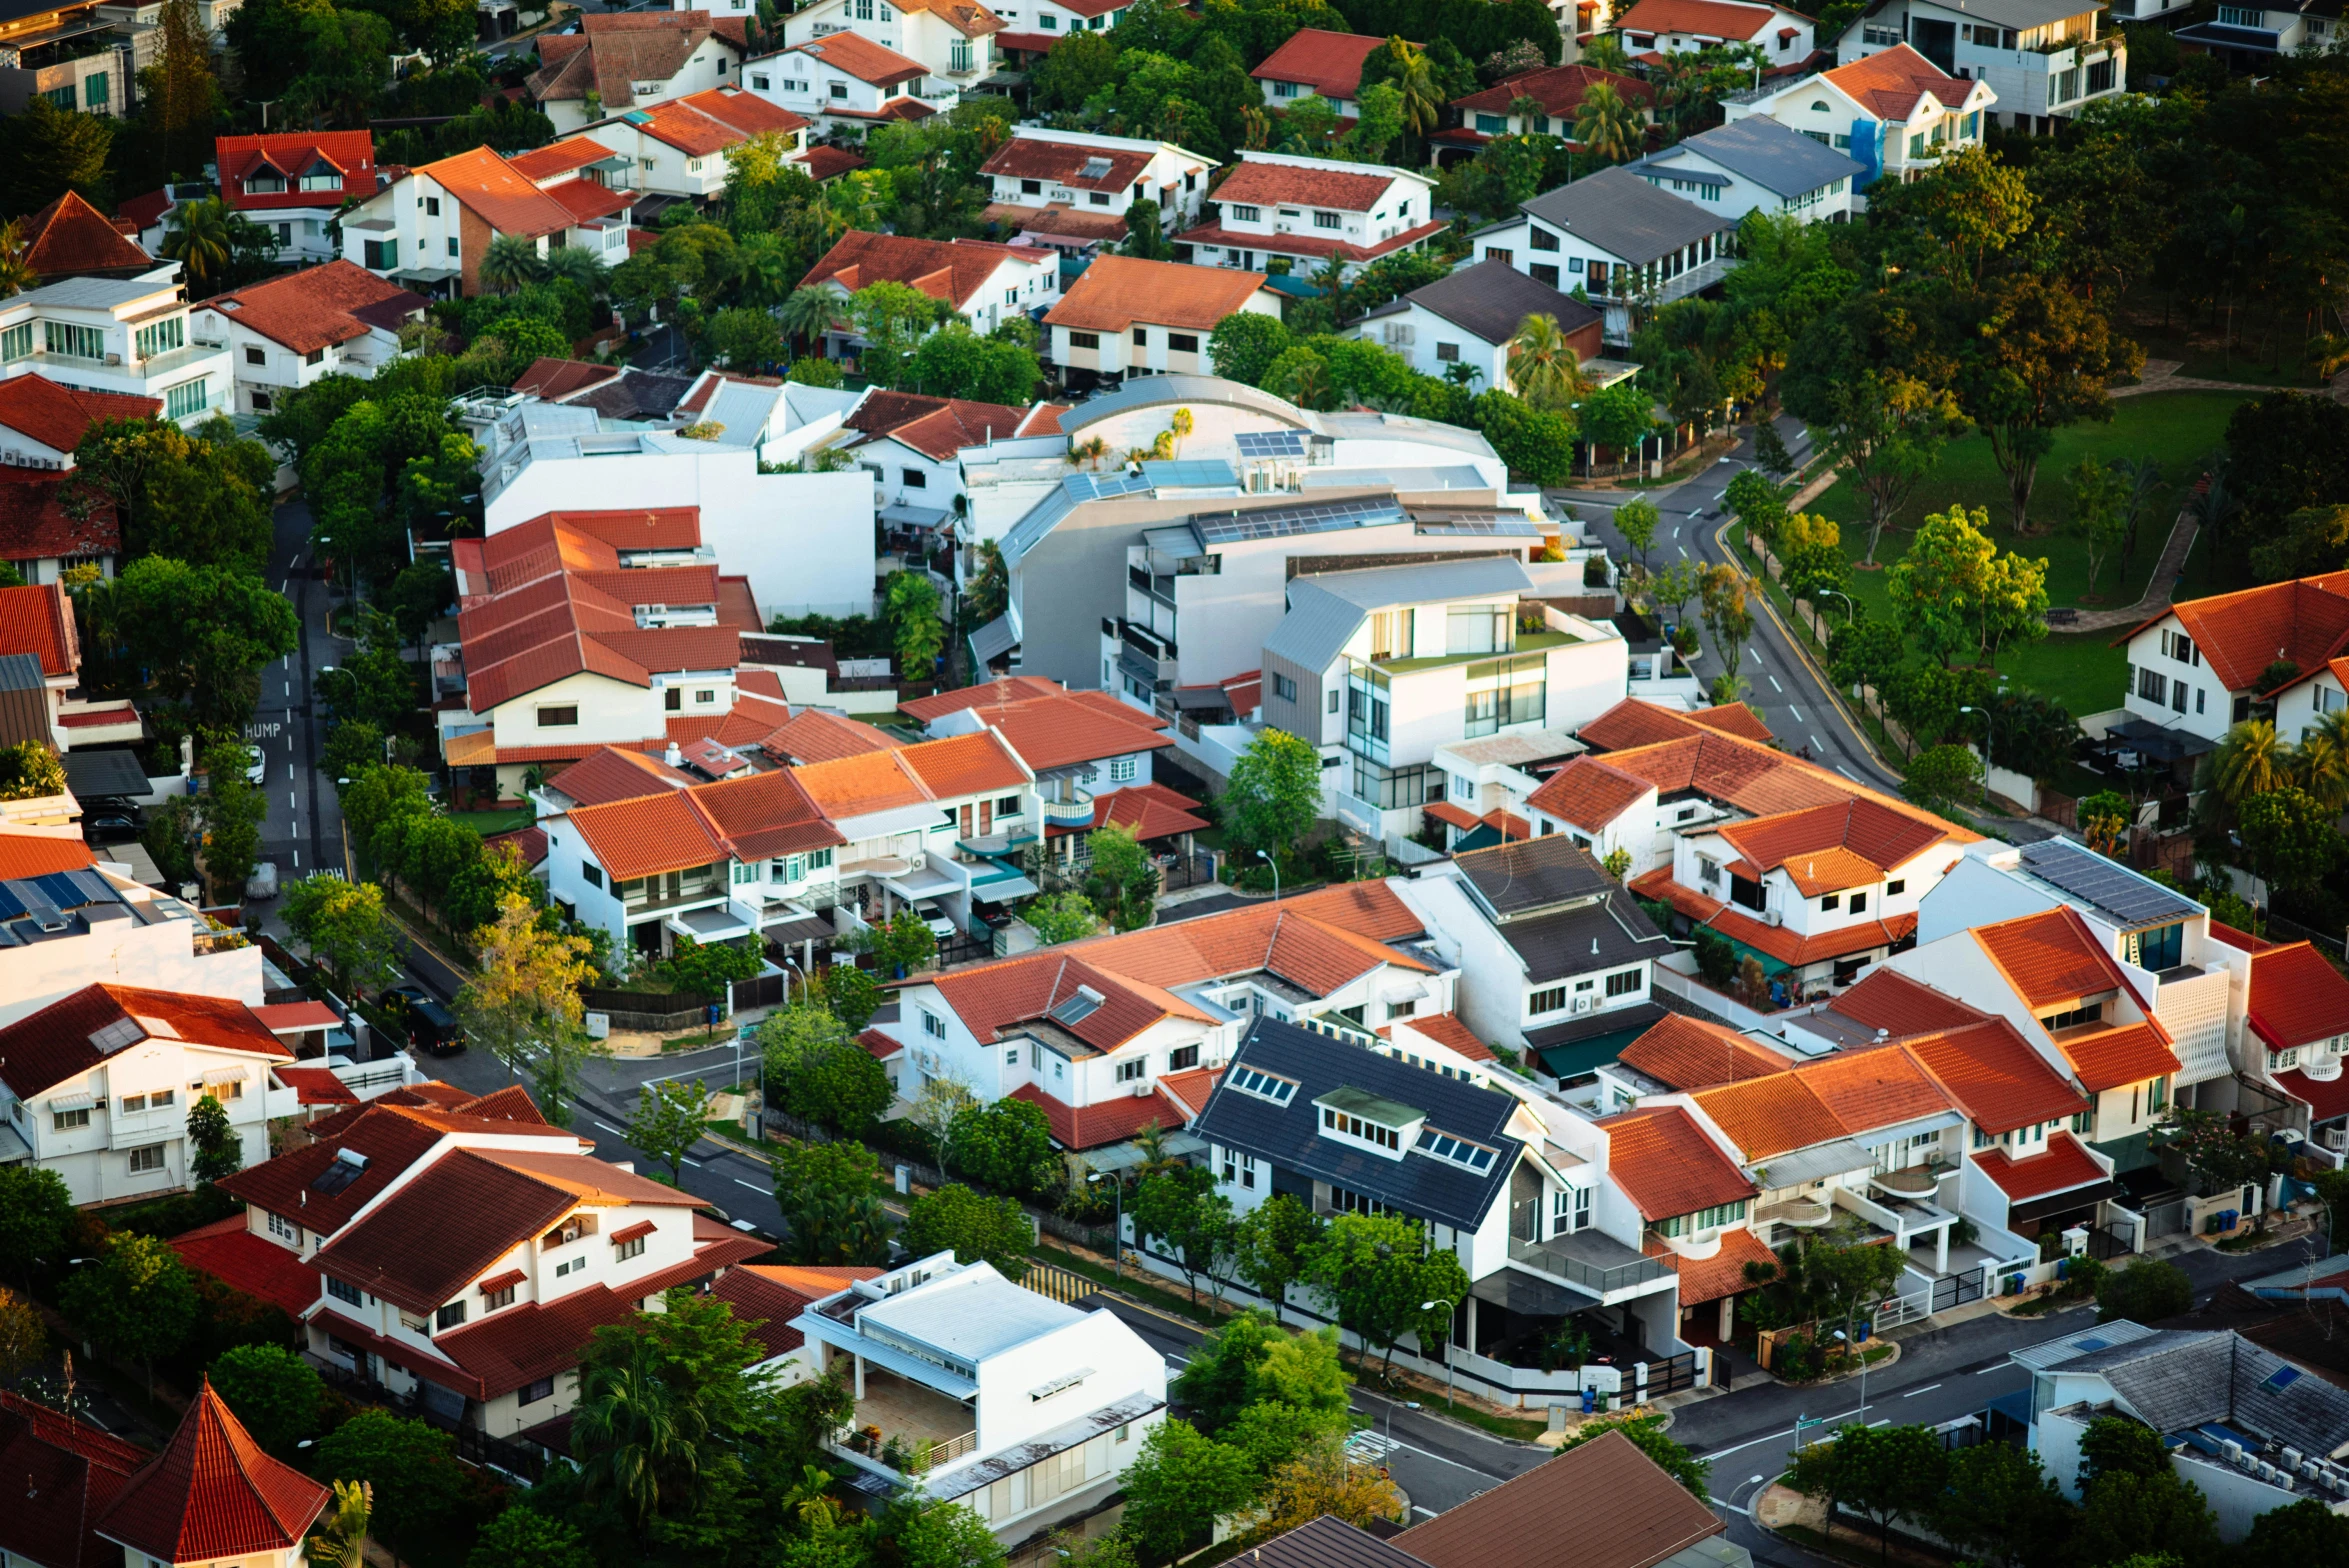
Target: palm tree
(587, 269)
(1178, 425)
(808, 313)
(1609, 124)
(767, 269)
(16, 272)
(1091, 451)
(2249, 762)
(1543, 365)
(339, 1539)
(2320, 763)
(510, 262)
(2329, 354)
(1526, 109)
(201, 239)
(2143, 476)
(637, 1436)
(1331, 280)
(1414, 78)
(2217, 501)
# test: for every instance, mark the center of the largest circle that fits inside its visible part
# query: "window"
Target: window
(146, 1161)
(1546, 1001)
(569, 1266)
(1285, 688)
(1859, 903)
(1084, 340)
(449, 1316)
(1182, 342)
(1625, 982)
(633, 1247)
(932, 1024)
(17, 341)
(256, 356)
(382, 255)
(342, 1292)
(1569, 1209)
(1831, 901)
(673, 699)
(131, 1102)
(71, 338)
(189, 397)
(760, 83)
(1182, 1058)
(284, 1229)
(1326, 220)
(1262, 1085)
(494, 1299)
(1123, 769)
(2092, 1013)
(562, 718)
(839, 90)
(1896, 886)
(1284, 89)
(532, 1393)
(453, 251)
(1491, 124)
(1448, 353)
(67, 1121)
(314, 356)
(1333, 1120)
(1008, 806)
(2161, 948)
(1133, 1071)
(160, 338)
(915, 479)
(1543, 272)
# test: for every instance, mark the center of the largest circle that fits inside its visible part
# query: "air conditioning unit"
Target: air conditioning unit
(2336, 1139)
(1582, 1004)
(1772, 917)
(1143, 1091)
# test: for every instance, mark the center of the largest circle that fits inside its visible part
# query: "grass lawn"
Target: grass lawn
(2082, 672)
(486, 823)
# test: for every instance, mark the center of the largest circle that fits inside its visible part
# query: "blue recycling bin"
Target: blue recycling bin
(1590, 1401)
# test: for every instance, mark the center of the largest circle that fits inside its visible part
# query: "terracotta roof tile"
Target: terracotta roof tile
(1776, 942)
(1094, 1126)
(1329, 63)
(230, 1252)
(2241, 634)
(1682, 1052)
(70, 237)
(295, 154)
(1696, 18)
(316, 1086)
(36, 524)
(995, 693)
(1117, 291)
(2114, 1058)
(1064, 729)
(1558, 89)
(1646, 1517)
(2064, 1164)
(487, 185)
(1266, 184)
(1994, 1076)
(1041, 158)
(966, 18)
(52, 1045)
(615, 51)
(2050, 958)
(29, 855)
(862, 58)
(68, 1471)
(819, 735)
(1588, 793)
(212, 1493)
(1148, 811)
(829, 163)
(1191, 1090)
(1667, 1166)
(1826, 849)
(1734, 718)
(771, 1295)
(389, 1138)
(951, 270)
(1891, 1001)
(1888, 84)
(316, 307)
(567, 156)
(616, 773)
(1308, 244)
(1866, 1090)
(1722, 1274)
(1445, 1029)
(2296, 997)
(1770, 1115)
(59, 416)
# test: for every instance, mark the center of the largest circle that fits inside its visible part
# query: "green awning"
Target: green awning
(1588, 1056)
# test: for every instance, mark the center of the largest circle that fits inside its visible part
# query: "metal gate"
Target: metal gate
(1668, 1376)
(2103, 1244)
(1955, 1290)
(2165, 1219)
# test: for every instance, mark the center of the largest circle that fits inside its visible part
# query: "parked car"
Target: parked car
(428, 1024)
(113, 825)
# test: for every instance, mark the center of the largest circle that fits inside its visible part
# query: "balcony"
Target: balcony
(908, 1428)
(1592, 1262)
(1068, 813)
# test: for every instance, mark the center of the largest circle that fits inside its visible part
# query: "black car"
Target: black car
(428, 1024)
(118, 826)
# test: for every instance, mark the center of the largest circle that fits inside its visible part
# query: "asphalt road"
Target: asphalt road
(303, 832)
(1784, 687)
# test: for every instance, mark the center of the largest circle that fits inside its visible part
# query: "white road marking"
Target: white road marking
(1848, 773)
(1769, 1437)
(293, 802)
(1683, 549)
(752, 1185)
(297, 860)
(1774, 686)
(1914, 1392)
(1422, 1508)
(2000, 1367)
(1815, 746)
(1887, 1421)
(608, 1127)
(1797, 712)
(696, 1164)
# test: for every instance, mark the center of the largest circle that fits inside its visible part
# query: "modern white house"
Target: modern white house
(117, 335)
(1894, 111)
(1304, 213)
(986, 1393)
(1664, 27)
(678, 146)
(1618, 239)
(1381, 667)
(2249, 37)
(1757, 165)
(2043, 60)
(1461, 325)
(294, 182)
(842, 83)
(431, 226)
(1073, 188)
(283, 333)
(1056, 19)
(985, 283)
(2196, 670)
(633, 60)
(98, 1084)
(953, 40)
(1126, 316)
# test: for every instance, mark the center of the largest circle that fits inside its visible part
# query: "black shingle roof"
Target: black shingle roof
(1290, 1136)
(1490, 300)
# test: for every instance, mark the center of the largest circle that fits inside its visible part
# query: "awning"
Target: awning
(915, 516)
(1529, 1294)
(427, 274)
(1004, 891)
(1588, 1043)
(81, 1100)
(994, 640)
(2158, 740)
(1797, 1166)
(2059, 1203)
(102, 773)
(924, 881)
(1119, 1156)
(708, 925)
(221, 1075)
(800, 928)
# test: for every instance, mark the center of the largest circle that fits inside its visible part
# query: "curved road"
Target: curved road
(1784, 685)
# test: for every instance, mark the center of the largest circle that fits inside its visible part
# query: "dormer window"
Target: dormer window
(570, 1230)
(1262, 1085)
(1363, 1119)
(2072, 1017)
(265, 181)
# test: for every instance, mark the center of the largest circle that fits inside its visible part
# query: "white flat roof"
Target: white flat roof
(971, 1314)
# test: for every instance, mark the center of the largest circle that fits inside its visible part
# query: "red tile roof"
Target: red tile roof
(1445, 1029)
(316, 307)
(230, 1252)
(1093, 1126)
(1191, 1090)
(1735, 718)
(1824, 849)
(950, 270)
(212, 1493)
(1329, 63)
(867, 61)
(1271, 184)
(488, 187)
(2115, 1057)
(1148, 811)
(1067, 728)
(937, 427)
(1557, 88)
(966, 18)
(2051, 958)
(1037, 156)
(995, 693)
(1667, 1166)
(70, 237)
(1719, 19)
(2324, 1100)
(39, 621)
(819, 735)
(829, 163)
(612, 773)
(69, 1471)
(2296, 997)
(1722, 1274)
(316, 1086)
(766, 1297)
(709, 122)
(29, 855)
(1769, 1115)
(293, 154)
(1682, 1052)
(1588, 794)
(615, 51)
(749, 818)
(1306, 244)
(1889, 84)
(1994, 1076)
(390, 1133)
(1776, 942)
(2241, 634)
(59, 416)
(37, 525)
(1117, 291)
(1887, 1000)
(2063, 1165)
(52, 1045)
(564, 157)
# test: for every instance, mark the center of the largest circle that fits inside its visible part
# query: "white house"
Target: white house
(1465, 321)
(41, 425)
(844, 83)
(283, 333)
(953, 40)
(99, 1083)
(1757, 165)
(2042, 59)
(1073, 188)
(1381, 667)
(2249, 37)
(631, 60)
(433, 224)
(1663, 27)
(678, 146)
(120, 335)
(1894, 111)
(1310, 212)
(294, 182)
(1126, 316)
(1617, 238)
(913, 447)
(2196, 670)
(1315, 63)
(1019, 1407)
(985, 283)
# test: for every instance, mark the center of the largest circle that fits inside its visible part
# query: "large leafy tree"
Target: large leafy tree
(421, 1495)
(344, 925)
(1176, 1487)
(201, 498)
(975, 1229)
(954, 361)
(49, 151)
(1179, 1214)
(1378, 1274)
(522, 1001)
(276, 1394)
(2038, 358)
(36, 1216)
(135, 1299)
(830, 1195)
(1875, 389)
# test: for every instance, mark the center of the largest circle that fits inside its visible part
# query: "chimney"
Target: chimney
(673, 757)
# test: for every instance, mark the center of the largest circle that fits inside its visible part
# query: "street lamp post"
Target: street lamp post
(1987, 764)
(1851, 606)
(1276, 874)
(1448, 1304)
(1839, 1334)
(1117, 1237)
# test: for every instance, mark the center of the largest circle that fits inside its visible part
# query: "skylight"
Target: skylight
(1263, 1085)
(1077, 1008)
(116, 1035)
(1456, 1151)
(1094, 169)
(2280, 1379)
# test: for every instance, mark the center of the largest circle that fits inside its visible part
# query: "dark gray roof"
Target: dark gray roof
(2176, 1379)
(1490, 300)
(1328, 1542)
(94, 775)
(1625, 216)
(1536, 874)
(1289, 1136)
(1603, 935)
(1770, 154)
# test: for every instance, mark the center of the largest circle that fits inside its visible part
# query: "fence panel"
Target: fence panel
(1896, 1310)
(1670, 1375)
(2165, 1219)
(760, 991)
(1956, 1290)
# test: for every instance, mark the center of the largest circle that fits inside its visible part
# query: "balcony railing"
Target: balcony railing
(1068, 813)
(1590, 1276)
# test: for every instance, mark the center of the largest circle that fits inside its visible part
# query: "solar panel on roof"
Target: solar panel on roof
(1281, 522)
(1094, 169)
(1077, 1008)
(2117, 891)
(1271, 443)
(1190, 472)
(1481, 527)
(2280, 1379)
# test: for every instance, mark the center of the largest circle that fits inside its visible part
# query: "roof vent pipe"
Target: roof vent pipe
(673, 757)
